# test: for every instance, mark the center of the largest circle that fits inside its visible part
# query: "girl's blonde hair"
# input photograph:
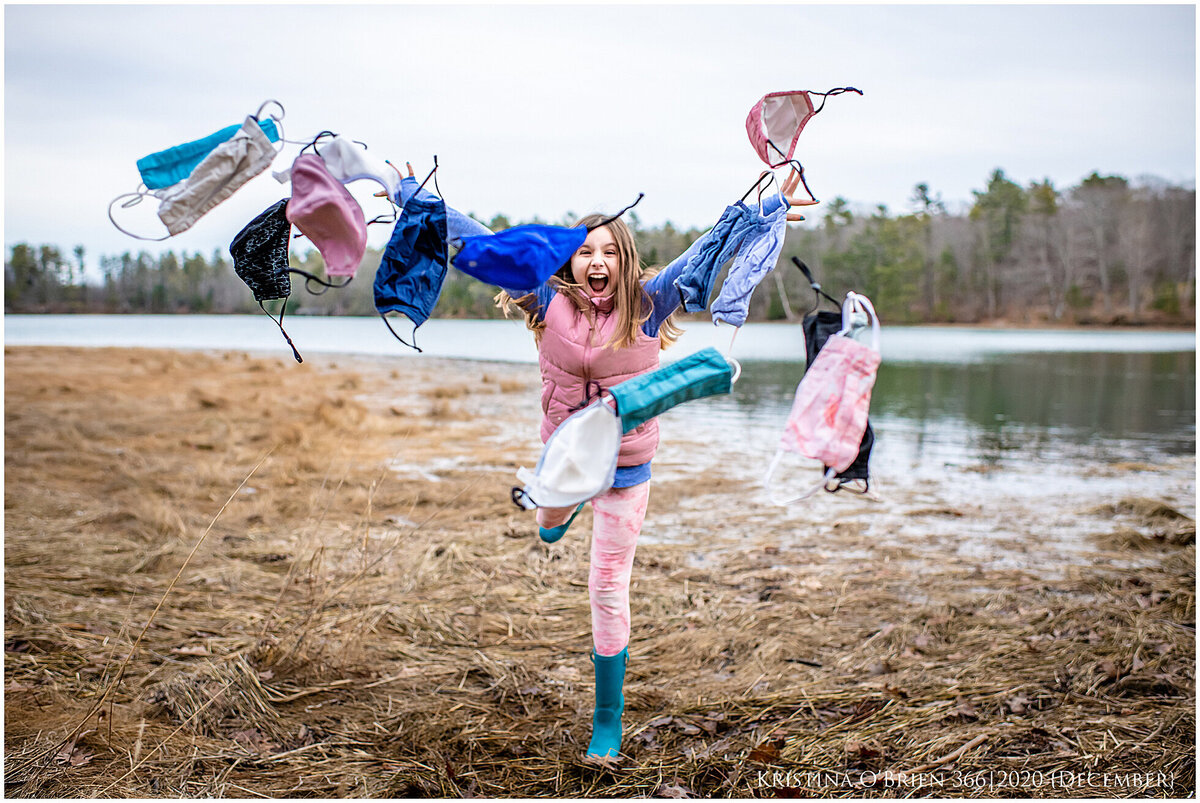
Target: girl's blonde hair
(631, 302)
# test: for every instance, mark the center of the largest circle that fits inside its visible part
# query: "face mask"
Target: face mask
(217, 177)
(162, 169)
(260, 253)
(523, 257)
(413, 268)
(828, 419)
(325, 212)
(519, 258)
(775, 122)
(260, 259)
(696, 376)
(347, 161)
(579, 460)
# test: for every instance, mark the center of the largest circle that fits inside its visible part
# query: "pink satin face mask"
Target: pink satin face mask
(829, 414)
(326, 213)
(775, 122)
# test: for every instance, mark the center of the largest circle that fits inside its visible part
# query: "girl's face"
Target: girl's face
(596, 264)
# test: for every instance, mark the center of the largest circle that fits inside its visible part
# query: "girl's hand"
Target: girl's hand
(789, 186)
(383, 193)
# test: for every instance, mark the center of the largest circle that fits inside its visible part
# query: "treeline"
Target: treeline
(1106, 251)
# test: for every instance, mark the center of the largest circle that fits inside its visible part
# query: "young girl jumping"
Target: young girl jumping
(598, 321)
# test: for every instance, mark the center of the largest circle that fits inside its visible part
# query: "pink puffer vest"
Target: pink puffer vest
(575, 364)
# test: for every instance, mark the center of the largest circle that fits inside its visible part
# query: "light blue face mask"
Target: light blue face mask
(165, 168)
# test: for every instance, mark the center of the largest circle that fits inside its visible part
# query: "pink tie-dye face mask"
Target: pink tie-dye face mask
(829, 414)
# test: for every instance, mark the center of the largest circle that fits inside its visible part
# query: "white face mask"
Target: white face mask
(219, 176)
(347, 160)
(578, 462)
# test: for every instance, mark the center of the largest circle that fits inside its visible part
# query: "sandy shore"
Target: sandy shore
(370, 615)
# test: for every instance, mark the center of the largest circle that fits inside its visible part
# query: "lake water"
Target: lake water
(944, 395)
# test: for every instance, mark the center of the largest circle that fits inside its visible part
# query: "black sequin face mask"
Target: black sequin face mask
(260, 259)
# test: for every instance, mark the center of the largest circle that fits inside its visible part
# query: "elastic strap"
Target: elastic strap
(813, 282)
(771, 470)
(522, 499)
(799, 168)
(757, 182)
(308, 277)
(385, 218)
(412, 345)
(862, 302)
(826, 95)
(138, 195)
(279, 322)
(431, 175)
(610, 219)
(313, 142)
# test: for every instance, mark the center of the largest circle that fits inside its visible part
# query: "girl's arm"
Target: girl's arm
(459, 225)
(664, 295)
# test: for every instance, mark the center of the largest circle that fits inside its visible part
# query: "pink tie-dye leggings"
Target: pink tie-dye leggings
(617, 516)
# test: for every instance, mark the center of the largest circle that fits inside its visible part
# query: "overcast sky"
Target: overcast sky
(549, 110)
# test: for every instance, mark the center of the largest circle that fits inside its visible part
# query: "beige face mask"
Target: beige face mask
(219, 176)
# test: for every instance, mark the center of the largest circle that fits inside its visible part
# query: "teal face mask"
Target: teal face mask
(169, 167)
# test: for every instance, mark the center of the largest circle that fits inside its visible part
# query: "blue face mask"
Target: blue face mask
(523, 257)
(410, 275)
(520, 258)
(169, 167)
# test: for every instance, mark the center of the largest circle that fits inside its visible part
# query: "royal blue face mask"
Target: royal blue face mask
(520, 258)
(523, 257)
(410, 275)
(169, 167)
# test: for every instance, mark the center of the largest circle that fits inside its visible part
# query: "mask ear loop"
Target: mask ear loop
(432, 175)
(279, 323)
(522, 499)
(278, 120)
(815, 285)
(611, 218)
(757, 183)
(863, 303)
(412, 345)
(311, 279)
(312, 143)
(778, 190)
(826, 95)
(137, 195)
(265, 104)
(828, 475)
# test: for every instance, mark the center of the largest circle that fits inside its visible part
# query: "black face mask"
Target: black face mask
(260, 259)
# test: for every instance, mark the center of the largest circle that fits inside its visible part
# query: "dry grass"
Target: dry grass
(371, 616)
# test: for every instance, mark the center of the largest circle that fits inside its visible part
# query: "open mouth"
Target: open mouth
(598, 282)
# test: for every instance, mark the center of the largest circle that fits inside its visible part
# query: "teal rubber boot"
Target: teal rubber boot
(610, 703)
(552, 534)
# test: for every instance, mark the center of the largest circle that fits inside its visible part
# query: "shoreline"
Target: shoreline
(999, 324)
(371, 615)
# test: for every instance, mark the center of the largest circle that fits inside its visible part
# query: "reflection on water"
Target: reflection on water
(1044, 406)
